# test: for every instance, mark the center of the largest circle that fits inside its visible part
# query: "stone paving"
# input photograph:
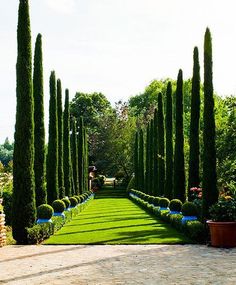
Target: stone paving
(117, 265)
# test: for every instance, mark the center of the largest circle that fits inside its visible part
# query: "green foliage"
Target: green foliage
(81, 155)
(24, 213)
(179, 168)
(73, 201)
(194, 179)
(164, 202)
(52, 156)
(168, 191)
(74, 157)
(66, 201)
(141, 161)
(189, 209)
(136, 161)
(66, 146)
(7, 203)
(44, 211)
(147, 169)
(175, 205)
(156, 201)
(161, 146)
(60, 141)
(155, 153)
(131, 184)
(224, 210)
(197, 231)
(6, 152)
(38, 233)
(39, 130)
(210, 191)
(1, 209)
(59, 206)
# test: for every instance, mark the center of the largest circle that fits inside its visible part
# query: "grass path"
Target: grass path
(113, 219)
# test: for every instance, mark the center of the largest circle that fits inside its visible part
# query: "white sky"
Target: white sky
(117, 46)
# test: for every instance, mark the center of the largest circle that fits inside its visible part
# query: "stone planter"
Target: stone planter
(57, 214)
(42, 221)
(223, 234)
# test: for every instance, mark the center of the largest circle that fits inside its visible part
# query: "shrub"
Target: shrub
(196, 231)
(77, 198)
(189, 209)
(38, 233)
(176, 221)
(58, 206)
(44, 211)
(175, 205)
(7, 203)
(150, 199)
(156, 201)
(73, 201)
(1, 209)
(164, 202)
(67, 202)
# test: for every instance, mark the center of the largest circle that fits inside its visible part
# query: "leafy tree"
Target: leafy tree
(179, 169)
(210, 191)
(66, 146)
(60, 141)
(24, 213)
(161, 146)
(39, 130)
(169, 143)
(194, 180)
(52, 156)
(141, 161)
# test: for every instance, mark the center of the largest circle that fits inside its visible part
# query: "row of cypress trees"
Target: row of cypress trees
(164, 172)
(38, 179)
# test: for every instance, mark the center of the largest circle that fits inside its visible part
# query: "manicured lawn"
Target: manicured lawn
(113, 219)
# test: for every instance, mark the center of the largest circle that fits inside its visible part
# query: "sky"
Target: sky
(117, 47)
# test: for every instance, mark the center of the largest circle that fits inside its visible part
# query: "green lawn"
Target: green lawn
(113, 219)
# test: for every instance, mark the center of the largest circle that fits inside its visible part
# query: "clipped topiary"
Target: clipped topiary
(67, 202)
(150, 199)
(164, 202)
(156, 201)
(45, 211)
(58, 206)
(73, 201)
(189, 209)
(175, 205)
(77, 198)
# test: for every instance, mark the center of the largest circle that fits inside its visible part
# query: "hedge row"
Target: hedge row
(195, 230)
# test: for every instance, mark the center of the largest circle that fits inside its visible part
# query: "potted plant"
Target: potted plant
(223, 222)
(189, 212)
(164, 203)
(175, 206)
(59, 207)
(44, 214)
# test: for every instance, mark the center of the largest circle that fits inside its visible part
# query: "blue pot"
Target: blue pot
(188, 218)
(163, 209)
(174, 212)
(41, 221)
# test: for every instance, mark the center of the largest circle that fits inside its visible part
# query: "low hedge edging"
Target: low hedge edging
(195, 230)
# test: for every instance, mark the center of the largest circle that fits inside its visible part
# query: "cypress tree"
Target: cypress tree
(179, 170)
(193, 179)
(141, 162)
(169, 143)
(39, 130)
(210, 191)
(155, 154)
(24, 213)
(147, 180)
(151, 160)
(85, 160)
(66, 146)
(75, 158)
(52, 157)
(136, 162)
(60, 141)
(81, 155)
(161, 147)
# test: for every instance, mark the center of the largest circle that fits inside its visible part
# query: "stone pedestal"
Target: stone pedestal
(2, 230)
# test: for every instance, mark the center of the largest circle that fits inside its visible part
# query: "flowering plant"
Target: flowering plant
(224, 210)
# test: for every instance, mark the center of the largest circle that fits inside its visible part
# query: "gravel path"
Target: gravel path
(119, 264)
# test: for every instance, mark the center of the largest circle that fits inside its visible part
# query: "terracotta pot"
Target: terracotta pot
(223, 234)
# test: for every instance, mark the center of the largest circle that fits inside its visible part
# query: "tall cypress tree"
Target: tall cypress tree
(210, 191)
(169, 143)
(24, 213)
(136, 162)
(141, 162)
(155, 154)
(193, 179)
(80, 155)
(52, 157)
(85, 160)
(151, 160)
(66, 146)
(39, 130)
(147, 180)
(179, 170)
(75, 157)
(161, 146)
(60, 140)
